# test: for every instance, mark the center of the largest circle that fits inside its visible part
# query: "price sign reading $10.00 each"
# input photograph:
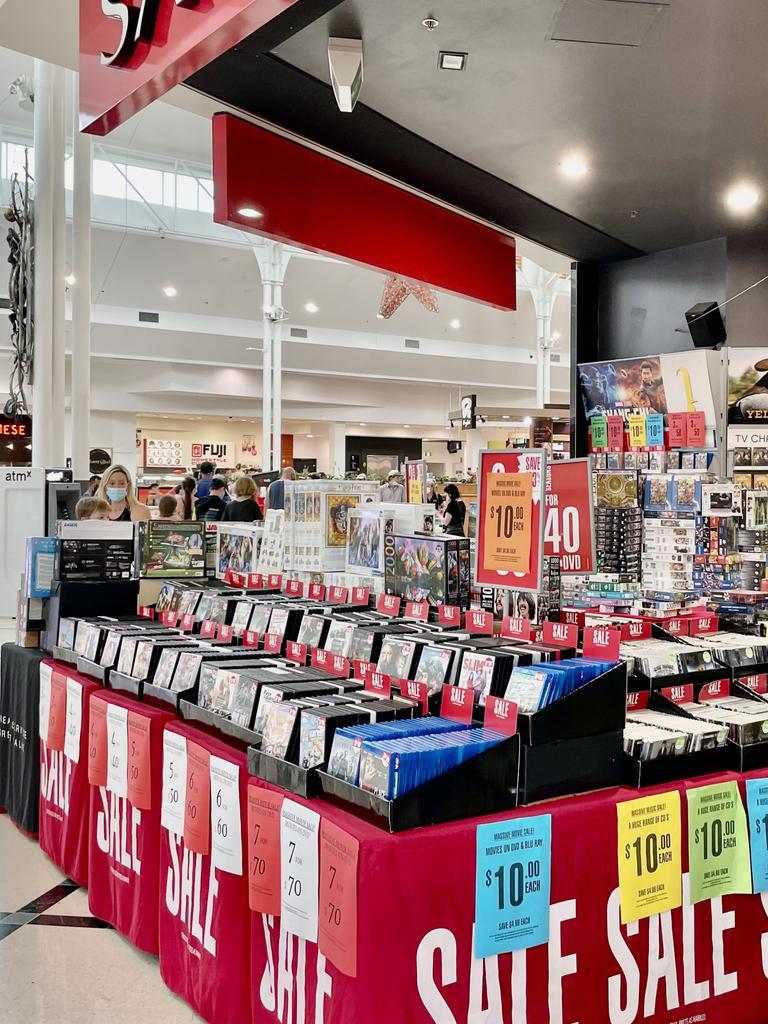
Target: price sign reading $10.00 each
(650, 866)
(510, 519)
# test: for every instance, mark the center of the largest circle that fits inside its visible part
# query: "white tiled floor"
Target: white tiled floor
(69, 975)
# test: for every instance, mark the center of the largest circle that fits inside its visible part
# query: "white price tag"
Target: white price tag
(46, 674)
(174, 782)
(117, 750)
(226, 830)
(74, 720)
(300, 862)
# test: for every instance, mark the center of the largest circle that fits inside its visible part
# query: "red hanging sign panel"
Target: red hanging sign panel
(568, 530)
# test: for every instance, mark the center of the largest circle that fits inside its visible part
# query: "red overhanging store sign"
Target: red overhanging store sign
(312, 200)
(134, 51)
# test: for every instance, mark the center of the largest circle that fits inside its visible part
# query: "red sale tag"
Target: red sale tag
(679, 627)
(146, 612)
(57, 717)
(320, 658)
(601, 642)
(294, 588)
(316, 592)
(296, 652)
(636, 629)
(274, 581)
(337, 920)
(187, 622)
(388, 604)
(139, 761)
(169, 618)
(340, 665)
(638, 700)
(679, 694)
(360, 596)
(418, 610)
(250, 638)
(226, 634)
(273, 643)
(516, 628)
(338, 595)
(708, 623)
(208, 629)
(361, 668)
(97, 742)
(716, 689)
(416, 691)
(479, 623)
(228, 576)
(456, 703)
(758, 684)
(197, 803)
(264, 809)
(615, 433)
(255, 581)
(238, 578)
(377, 682)
(501, 715)
(677, 425)
(449, 615)
(696, 432)
(560, 634)
(572, 615)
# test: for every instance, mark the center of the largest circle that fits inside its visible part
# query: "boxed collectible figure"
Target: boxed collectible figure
(170, 550)
(237, 547)
(433, 569)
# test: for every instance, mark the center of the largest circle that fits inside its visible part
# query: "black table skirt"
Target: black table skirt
(20, 734)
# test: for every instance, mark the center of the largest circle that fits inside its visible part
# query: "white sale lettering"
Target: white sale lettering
(183, 892)
(55, 777)
(117, 830)
(288, 992)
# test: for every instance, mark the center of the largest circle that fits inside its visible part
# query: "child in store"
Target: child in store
(168, 509)
(92, 508)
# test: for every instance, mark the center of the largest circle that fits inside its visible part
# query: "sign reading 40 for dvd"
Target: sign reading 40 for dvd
(510, 539)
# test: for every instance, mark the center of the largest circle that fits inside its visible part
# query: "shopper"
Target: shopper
(185, 502)
(116, 487)
(207, 471)
(93, 486)
(455, 512)
(243, 508)
(432, 497)
(211, 509)
(276, 491)
(91, 508)
(168, 509)
(393, 490)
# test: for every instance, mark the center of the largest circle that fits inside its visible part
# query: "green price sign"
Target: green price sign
(599, 425)
(718, 842)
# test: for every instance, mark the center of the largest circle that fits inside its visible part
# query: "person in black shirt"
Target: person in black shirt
(243, 508)
(211, 509)
(455, 511)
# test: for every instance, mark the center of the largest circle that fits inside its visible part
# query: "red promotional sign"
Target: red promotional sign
(377, 682)
(501, 715)
(226, 634)
(696, 430)
(139, 761)
(418, 610)
(169, 618)
(638, 699)
(340, 665)
(715, 690)
(361, 668)
(479, 623)
(197, 802)
(679, 627)
(516, 628)
(208, 629)
(677, 427)
(759, 683)
(705, 623)
(274, 581)
(388, 604)
(263, 847)
(338, 595)
(679, 694)
(187, 623)
(602, 642)
(273, 643)
(57, 717)
(560, 634)
(136, 53)
(321, 659)
(615, 433)
(457, 703)
(568, 529)
(416, 691)
(255, 581)
(237, 579)
(337, 920)
(449, 615)
(250, 638)
(360, 596)
(316, 592)
(636, 629)
(97, 742)
(146, 612)
(497, 523)
(294, 588)
(296, 652)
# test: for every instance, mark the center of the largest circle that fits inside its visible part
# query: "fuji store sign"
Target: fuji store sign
(212, 452)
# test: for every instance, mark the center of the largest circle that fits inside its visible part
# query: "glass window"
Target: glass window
(145, 183)
(169, 189)
(186, 192)
(107, 179)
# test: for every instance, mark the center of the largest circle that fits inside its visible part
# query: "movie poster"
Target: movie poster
(748, 386)
(337, 507)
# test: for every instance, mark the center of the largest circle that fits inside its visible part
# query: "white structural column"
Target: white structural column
(42, 395)
(543, 285)
(81, 294)
(273, 263)
(266, 360)
(337, 448)
(57, 283)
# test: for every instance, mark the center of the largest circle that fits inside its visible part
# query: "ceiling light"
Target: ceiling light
(555, 335)
(363, 424)
(311, 307)
(455, 324)
(170, 291)
(380, 316)
(70, 279)
(430, 23)
(310, 435)
(573, 166)
(407, 426)
(505, 417)
(742, 198)
(450, 61)
(251, 348)
(250, 213)
(527, 421)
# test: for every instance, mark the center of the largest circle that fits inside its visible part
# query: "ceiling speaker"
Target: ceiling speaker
(705, 322)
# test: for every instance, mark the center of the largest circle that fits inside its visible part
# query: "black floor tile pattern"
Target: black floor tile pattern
(35, 913)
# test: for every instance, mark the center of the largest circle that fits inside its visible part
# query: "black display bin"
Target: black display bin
(672, 769)
(597, 708)
(575, 765)
(65, 654)
(486, 784)
(86, 599)
(217, 725)
(93, 670)
(122, 683)
(301, 781)
(164, 698)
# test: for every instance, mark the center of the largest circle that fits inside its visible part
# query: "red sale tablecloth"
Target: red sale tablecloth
(706, 963)
(204, 914)
(124, 885)
(64, 790)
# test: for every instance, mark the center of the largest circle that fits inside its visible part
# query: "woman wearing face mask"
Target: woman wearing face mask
(116, 487)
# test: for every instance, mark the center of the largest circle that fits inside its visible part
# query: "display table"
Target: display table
(204, 915)
(415, 917)
(64, 789)
(124, 843)
(19, 731)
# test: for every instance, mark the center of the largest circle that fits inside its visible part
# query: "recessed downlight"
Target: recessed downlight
(742, 198)
(407, 426)
(311, 307)
(70, 279)
(170, 291)
(310, 435)
(363, 424)
(573, 166)
(250, 213)
(455, 324)
(451, 60)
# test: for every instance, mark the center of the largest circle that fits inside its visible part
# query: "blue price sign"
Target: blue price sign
(512, 885)
(757, 808)
(654, 430)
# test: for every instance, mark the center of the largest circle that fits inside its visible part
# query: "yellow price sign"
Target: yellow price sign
(650, 864)
(637, 431)
(508, 512)
(416, 492)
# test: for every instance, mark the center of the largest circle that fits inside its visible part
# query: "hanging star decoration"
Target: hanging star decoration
(396, 291)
